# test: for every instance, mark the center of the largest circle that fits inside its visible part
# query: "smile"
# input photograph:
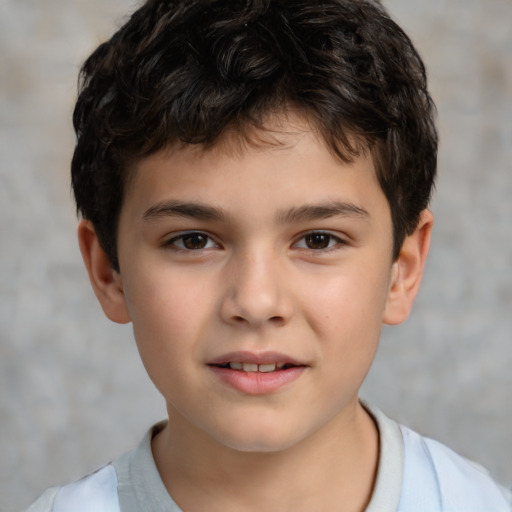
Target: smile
(253, 367)
(257, 373)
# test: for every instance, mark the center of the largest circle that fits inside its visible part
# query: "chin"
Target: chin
(259, 439)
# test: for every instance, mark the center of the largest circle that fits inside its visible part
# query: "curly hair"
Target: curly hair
(187, 71)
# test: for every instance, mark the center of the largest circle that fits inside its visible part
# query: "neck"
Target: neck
(333, 469)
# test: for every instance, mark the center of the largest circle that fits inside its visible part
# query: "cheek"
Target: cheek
(346, 316)
(349, 303)
(166, 317)
(165, 299)
(168, 313)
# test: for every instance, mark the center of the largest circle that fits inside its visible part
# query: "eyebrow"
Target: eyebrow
(289, 216)
(184, 209)
(321, 211)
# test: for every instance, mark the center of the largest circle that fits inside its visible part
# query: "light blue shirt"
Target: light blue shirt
(415, 474)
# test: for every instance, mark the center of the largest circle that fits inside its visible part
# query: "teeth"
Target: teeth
(252, 367)
(265, 368)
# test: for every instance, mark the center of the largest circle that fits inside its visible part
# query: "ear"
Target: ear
(106, 282)
(408, 270)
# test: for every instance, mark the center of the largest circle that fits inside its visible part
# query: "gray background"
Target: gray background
(72, 390)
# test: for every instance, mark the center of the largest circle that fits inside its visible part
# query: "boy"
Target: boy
(254, 178)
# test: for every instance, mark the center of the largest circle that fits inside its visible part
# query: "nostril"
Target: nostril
(239, 319)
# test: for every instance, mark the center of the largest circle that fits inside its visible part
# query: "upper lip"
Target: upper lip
(255, 358)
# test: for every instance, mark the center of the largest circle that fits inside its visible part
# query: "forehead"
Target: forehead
(285, 168)
(279, 130)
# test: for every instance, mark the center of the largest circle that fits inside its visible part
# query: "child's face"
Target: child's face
(272, 256)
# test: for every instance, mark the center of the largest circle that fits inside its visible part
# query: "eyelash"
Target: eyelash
(178, 242)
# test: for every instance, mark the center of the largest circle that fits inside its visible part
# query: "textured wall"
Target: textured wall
(72, 391)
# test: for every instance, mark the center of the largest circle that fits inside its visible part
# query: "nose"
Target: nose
(255, 292)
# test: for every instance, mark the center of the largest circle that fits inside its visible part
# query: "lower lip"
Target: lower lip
(258, 383)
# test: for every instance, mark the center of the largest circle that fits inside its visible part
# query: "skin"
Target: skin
(263, 275)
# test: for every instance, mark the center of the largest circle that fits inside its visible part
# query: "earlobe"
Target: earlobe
(106, 282)
(408, 270)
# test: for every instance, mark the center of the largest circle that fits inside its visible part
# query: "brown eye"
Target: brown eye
(318, 241)
(194, 241)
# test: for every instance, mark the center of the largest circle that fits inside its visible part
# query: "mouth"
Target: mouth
(254, 367)
(257, 373)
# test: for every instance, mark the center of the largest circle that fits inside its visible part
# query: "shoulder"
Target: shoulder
(436, 478)
(129, 482)
(96, 492)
